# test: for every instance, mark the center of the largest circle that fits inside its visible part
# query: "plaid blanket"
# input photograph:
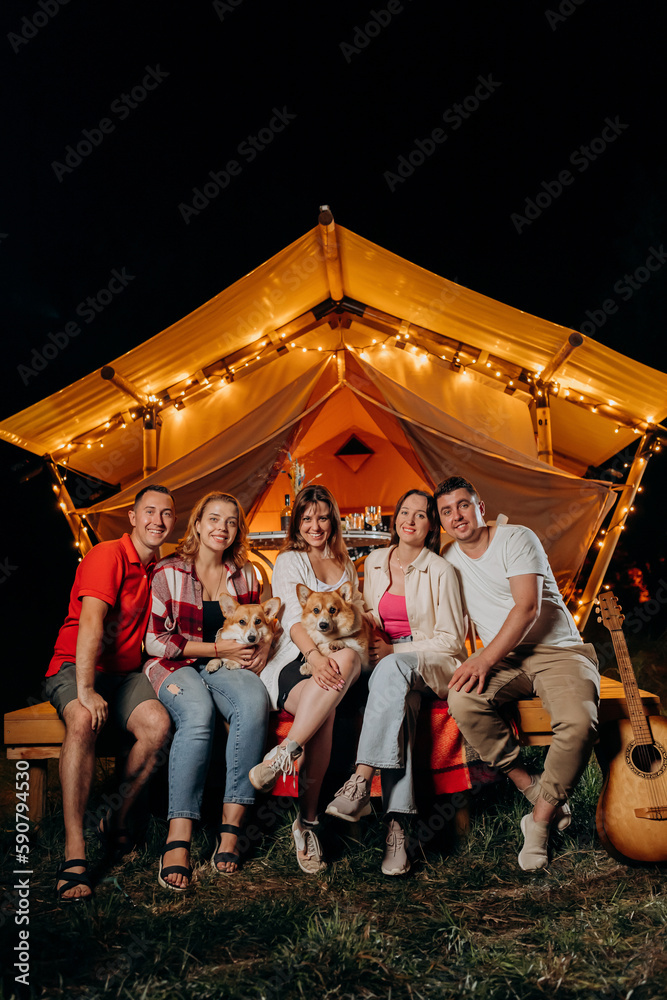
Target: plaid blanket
(444, 762)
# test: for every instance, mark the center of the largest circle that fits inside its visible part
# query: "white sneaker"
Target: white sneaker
(534, 854)
(352, 801)
(395, 860)
(280, 760)
(309, 853)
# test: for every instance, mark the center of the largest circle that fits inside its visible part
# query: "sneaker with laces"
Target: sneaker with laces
(280, 760)
(395, 860)
(309, 853)
(352, 801)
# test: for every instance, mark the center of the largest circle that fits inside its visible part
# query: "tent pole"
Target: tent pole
(560, 357)
(545, 448)
(109, 374)
(331, 254)
(619, 517)
(81, 538)
(150, 440)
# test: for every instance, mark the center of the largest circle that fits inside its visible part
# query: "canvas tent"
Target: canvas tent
(377, 375)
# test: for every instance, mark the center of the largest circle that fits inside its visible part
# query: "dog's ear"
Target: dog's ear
(303, 593)
(272, 607)
(345, 591)
(227, 605)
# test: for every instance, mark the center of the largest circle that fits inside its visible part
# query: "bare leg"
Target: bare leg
(150, 725)
(311, 705)
(314, 711)
(543, 811)
(77, 770)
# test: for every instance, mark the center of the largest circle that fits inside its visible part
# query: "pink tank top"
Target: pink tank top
(394, 615)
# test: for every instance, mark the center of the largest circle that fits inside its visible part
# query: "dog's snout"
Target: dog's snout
(323, 626)
(252, 637)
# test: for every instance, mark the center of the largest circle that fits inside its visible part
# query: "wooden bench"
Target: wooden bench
(35, 734)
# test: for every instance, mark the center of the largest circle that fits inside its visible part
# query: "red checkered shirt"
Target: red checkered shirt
(177, 612)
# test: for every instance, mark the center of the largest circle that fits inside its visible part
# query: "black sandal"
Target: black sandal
(222, 856)
(73, 879)
(115, 841)
(174, 869)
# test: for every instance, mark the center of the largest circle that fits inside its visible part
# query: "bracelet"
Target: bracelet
(313, 649)
(215, 647)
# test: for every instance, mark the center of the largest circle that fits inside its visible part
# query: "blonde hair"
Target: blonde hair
(308, 497)
(188, 547)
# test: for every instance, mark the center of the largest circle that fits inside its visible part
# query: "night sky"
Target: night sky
(514, 148)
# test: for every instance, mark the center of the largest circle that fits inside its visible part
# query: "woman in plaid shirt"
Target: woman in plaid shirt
(185, 617)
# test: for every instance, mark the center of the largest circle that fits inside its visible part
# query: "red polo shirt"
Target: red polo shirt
(112, 572)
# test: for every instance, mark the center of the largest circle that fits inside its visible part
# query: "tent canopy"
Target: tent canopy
(335, 338)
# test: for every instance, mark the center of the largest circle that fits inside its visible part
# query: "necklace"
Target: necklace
(400, 564)
(217, 589)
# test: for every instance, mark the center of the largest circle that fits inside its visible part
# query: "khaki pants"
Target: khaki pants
(566, 678)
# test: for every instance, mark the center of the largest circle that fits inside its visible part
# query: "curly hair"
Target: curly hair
(188, 547)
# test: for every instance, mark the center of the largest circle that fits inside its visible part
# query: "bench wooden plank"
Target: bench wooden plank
(35, 733)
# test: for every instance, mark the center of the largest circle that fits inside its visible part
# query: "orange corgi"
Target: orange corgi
(247, 624)
(333, 620)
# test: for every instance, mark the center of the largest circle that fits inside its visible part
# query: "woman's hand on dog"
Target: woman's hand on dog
(261, 655)
(325, 672)
(228, 649)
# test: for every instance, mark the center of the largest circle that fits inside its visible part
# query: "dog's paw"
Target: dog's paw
(305, 670)
(212, 666)
(231, 664)
(333, 646)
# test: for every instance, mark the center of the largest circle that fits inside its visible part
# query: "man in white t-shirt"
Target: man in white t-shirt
(531, 646)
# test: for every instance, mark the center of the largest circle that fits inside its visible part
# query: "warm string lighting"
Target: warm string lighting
(202, 381)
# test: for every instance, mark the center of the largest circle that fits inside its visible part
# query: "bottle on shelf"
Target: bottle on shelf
(286, 514)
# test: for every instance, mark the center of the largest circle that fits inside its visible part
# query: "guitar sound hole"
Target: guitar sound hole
(646, 759)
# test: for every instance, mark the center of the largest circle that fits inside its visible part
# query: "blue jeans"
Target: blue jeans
(390, 723)
(191, 696)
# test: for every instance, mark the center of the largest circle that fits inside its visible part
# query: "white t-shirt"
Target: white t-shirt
(513, 551)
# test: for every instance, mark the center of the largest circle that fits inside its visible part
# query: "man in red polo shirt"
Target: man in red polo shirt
(95, 673)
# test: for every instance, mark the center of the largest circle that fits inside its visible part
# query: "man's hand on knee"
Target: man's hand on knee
(473, 673)
(95, 705)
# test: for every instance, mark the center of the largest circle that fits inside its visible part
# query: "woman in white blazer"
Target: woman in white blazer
(416, 598)
(314, 554)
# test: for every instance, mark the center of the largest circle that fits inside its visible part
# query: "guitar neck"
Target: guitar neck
(633, 699)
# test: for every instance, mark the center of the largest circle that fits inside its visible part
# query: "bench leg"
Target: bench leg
(38, 774)
(462, 818)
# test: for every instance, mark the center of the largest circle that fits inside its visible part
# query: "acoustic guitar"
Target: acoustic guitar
(631, 816)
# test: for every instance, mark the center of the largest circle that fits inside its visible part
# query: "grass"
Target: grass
(467, 922)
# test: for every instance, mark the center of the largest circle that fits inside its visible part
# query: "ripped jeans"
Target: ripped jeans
(191, 697)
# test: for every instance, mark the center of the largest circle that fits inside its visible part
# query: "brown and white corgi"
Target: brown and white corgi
(247, 624)
(333, 620)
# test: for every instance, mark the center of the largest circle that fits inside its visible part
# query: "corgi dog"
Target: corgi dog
(333, 620)
(248, 624)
